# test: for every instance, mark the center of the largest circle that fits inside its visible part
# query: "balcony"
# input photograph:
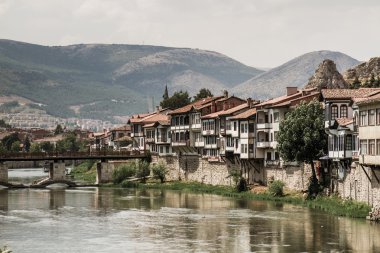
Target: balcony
(137, 134)
(340, 154)
(196, 126)
(230, 148)
(162, 140)
(149, 140)
(263, 125)
(211, 146)
(208, 132)
(181, 143)
(263, 144)
(222, 131)
(179, 127)
(199, 144)
(369, 159)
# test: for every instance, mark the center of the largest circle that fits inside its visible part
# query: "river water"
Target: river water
(127, 220)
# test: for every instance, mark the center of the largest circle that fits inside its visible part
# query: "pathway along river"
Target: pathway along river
(126, 220)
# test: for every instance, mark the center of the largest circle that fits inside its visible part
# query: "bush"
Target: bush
(159, 171)
(122, 173)
(142, 170)
(242, 186)
(129, 184)
(276, 188)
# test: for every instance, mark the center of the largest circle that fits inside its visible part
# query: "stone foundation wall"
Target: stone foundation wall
(104, 172)
(3, 173)
(194, 168)
(294, 177)
(58, 171)
(357, 186)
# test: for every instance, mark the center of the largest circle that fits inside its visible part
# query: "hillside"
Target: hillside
(292, 73)
(102, 81)
(364, 73)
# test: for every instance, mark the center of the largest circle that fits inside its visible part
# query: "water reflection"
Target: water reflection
(107, 220)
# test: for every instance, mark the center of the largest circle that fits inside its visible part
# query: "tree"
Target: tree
(9, 140)
(3, 124)
(356, 83)
(179, 99)
(302, 137)
(35, 147)
(166, 93)
(203, 93)
(58, 130)
(16, 146)
(27, 144)
(47, 146)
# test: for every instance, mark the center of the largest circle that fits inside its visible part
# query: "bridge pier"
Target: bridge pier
(104, 172)
(57, 170)
(3, 173)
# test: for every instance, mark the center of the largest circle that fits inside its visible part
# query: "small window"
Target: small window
(371, 147)
(363, 118)
(343, 111)
(371, 117)
(334, 112)
(363, 147)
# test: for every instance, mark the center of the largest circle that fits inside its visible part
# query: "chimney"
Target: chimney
(249, 102)
(225, 93)
(291, 90)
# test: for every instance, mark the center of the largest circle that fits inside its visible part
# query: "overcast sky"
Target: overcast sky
(263, 33)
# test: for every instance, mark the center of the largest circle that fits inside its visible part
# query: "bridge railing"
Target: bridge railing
(52, 155)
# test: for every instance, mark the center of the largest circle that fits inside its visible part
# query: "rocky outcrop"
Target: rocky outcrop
(364, 71)
(327, 76)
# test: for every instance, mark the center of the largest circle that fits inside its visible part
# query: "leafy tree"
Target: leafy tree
(47, 146)
(27, 144)
(58, 130)
(203, 93)
(35, 147)
(16, 146)
(372, 81)
(302, 137)
(356, 83)
(179, 99)
(159, 171)
(2, 148)
(70, 143)
(9, 140)
(142, 170)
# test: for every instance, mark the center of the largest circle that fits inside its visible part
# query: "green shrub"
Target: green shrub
(142, 170)
(276, 188)
(129, 184)
(242, 185)
(159, 171)
(122, 173)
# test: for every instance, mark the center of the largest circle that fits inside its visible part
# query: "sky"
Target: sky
(259, 33)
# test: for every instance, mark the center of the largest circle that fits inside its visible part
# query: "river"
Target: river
(128, 220)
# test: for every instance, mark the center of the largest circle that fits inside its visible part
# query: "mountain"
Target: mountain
(103, 81)
(292, 73)
(364, 72)
(327, 76)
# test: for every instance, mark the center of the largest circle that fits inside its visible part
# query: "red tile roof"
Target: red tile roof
(245, 115)
(196, 105)
(348, 93)
(226, 112)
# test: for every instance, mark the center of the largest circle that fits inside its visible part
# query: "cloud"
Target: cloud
(4, 6)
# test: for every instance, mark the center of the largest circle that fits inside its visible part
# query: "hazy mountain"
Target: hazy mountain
(292, 73)
(102, 81)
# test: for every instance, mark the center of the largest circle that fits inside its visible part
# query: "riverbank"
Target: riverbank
(330, 204)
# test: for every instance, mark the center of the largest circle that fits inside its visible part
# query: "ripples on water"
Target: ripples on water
(116, 220)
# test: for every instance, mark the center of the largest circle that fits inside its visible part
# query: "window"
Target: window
(331, 142)
(228, 125)
(363, 147)
(341, 138)
(363, 118)
(343, 111)
(349, 142)
(236, 143)
(251, 127)
(378, 147)
(235, 125)
(377, 116)
(276, 116)
(244, 128)
(371, 117)
(276, 156)
(371, 147)
(244, 148)
(334, 112)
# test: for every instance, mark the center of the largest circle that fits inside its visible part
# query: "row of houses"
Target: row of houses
(218, 128)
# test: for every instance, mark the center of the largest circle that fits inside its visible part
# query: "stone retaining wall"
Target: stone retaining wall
(3, 173)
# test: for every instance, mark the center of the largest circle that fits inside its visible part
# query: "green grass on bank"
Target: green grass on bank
(85, 171)
(333, 204)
